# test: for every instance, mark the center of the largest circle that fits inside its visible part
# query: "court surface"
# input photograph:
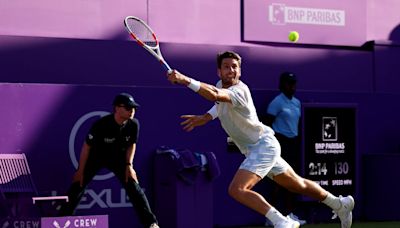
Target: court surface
(336, 225)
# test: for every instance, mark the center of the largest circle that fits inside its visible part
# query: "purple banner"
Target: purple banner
(88, 221)
(338, 22)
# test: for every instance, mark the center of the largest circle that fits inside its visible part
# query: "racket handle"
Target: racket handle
(166, 66)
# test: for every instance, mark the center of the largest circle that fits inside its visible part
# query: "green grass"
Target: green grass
(355, 225)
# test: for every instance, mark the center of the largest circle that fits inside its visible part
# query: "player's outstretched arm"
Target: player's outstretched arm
(192, 121)
(207, 91)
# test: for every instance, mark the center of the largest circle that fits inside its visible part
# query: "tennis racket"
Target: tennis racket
(146, 38)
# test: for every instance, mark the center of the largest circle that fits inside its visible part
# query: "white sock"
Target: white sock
(332, 201)
(274, 216)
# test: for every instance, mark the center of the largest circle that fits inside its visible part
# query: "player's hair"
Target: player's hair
(228, 54)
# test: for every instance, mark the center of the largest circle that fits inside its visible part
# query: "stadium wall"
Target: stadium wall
(59, 69)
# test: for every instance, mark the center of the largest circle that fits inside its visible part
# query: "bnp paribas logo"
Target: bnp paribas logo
(281, 14)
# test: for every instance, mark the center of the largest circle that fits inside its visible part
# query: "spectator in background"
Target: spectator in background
(283, 115)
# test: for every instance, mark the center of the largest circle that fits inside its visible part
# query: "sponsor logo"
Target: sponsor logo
(109, 140)
(329, 129)
(106, 198)
(281, 14)
(330, 144)
(57, 225)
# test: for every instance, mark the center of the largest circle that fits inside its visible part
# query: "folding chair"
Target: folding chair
(16, 184)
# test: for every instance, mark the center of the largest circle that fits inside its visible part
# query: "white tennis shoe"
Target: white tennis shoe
(287, 223)
(345, 211)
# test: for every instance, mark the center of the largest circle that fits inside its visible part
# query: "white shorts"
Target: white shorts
(264, 158)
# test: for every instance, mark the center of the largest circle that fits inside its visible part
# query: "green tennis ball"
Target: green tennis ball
(293, 36)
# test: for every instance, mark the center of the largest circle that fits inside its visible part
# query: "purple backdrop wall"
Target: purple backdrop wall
(40, 116)
(48, 84)
(209, 21)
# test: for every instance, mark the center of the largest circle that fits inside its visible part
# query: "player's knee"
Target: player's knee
(232, 191)
(235, 191)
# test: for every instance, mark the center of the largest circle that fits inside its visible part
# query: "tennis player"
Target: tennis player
(235, 109)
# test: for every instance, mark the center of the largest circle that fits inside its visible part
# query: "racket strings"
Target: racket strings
(142, 32)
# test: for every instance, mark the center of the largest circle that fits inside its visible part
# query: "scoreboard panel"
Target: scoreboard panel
(329, 146)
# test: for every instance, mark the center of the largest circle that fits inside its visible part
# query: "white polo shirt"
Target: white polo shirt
(239, 119)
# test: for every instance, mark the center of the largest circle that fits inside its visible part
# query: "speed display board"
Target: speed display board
(329, 146)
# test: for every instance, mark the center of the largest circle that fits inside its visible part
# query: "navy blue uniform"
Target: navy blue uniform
(108, 143)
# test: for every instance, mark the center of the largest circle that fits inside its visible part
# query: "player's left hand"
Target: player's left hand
(193, 121)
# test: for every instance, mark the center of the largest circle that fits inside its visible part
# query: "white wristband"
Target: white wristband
(194, 85)
(213, 112)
